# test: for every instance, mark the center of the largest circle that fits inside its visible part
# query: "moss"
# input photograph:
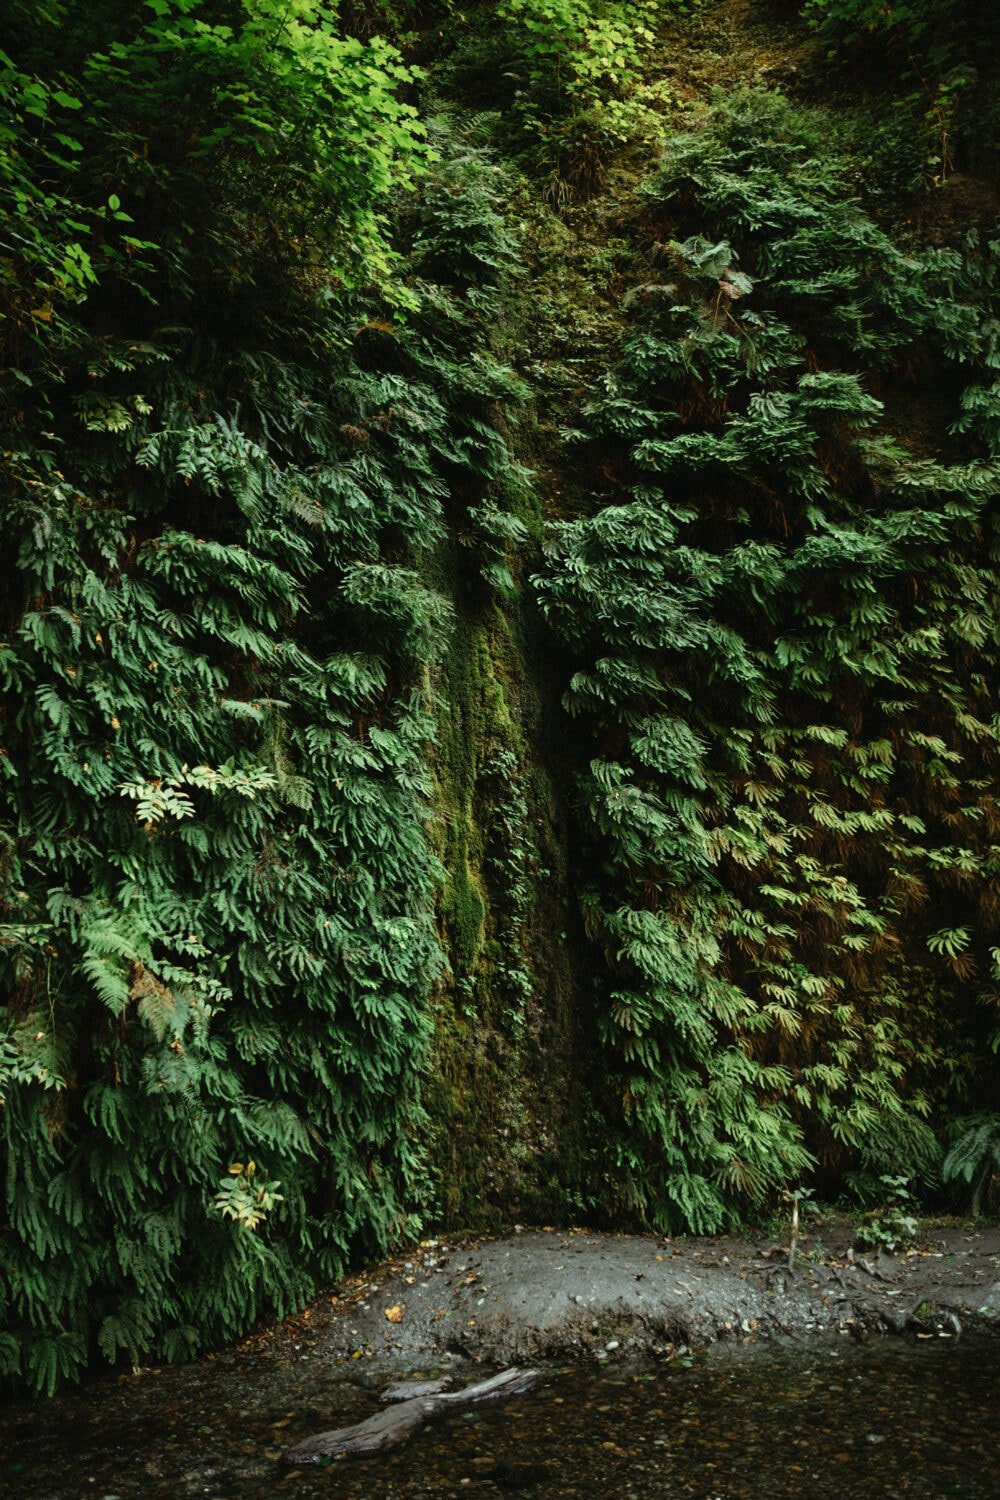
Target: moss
(500, 1093)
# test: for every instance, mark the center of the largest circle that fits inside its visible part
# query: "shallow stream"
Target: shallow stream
(828, 1419)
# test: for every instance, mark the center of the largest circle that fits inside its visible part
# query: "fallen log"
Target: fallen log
(387, 1429)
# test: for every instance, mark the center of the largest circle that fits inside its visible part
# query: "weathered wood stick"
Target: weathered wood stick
(408, 1390)
(512, 1382)
(387, 1429)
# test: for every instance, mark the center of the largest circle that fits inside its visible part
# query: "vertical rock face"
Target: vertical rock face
(504, 1092)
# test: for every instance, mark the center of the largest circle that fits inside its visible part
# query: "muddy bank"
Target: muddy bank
(543, 1294)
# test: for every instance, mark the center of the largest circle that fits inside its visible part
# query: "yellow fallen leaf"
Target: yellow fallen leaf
(394, 1314)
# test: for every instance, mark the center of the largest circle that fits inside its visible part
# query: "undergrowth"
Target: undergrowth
(784, 624)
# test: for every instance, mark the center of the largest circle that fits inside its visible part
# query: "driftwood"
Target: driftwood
(408, 1390)
(387, 1429)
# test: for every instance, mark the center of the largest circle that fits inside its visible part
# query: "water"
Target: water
(830, 1419)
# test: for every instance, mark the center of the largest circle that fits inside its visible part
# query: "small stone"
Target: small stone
(612, 1344)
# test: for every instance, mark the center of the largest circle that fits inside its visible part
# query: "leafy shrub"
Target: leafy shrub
(940, 56)
(932, 27)
(576, 64)
(893, 1223)
(575, 51)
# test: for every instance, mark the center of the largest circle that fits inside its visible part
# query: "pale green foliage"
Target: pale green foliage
(893, 1223)
(237, 111)
(246, 1195)
(576, 51)
(578, 66)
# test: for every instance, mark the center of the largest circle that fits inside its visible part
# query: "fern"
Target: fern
(217, 886)
(974, 1158)
(788, 871)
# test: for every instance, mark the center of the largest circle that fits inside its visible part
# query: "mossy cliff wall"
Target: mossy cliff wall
(498, 659)
(748, 805)
(504, 1096)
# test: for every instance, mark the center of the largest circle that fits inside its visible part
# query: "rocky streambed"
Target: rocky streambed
(700, 1368)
